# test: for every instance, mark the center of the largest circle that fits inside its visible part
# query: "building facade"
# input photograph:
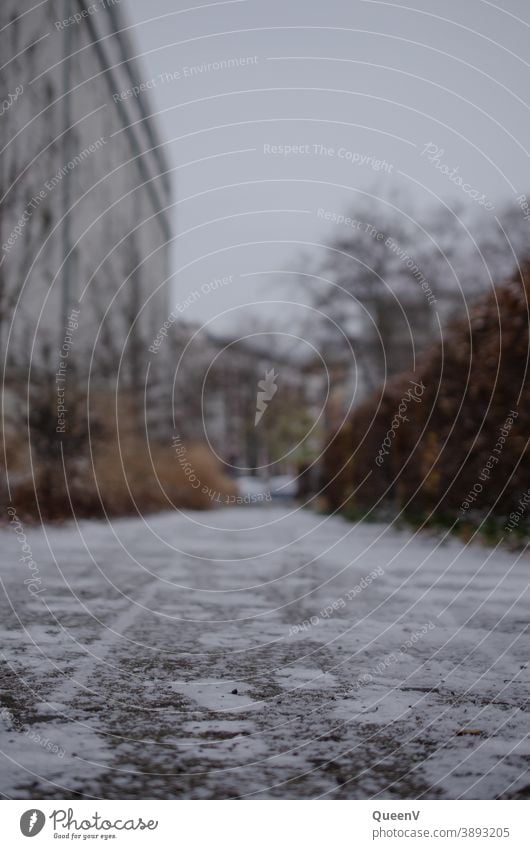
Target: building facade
(85, 192)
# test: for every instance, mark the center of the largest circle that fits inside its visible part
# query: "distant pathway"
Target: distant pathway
(258, 653)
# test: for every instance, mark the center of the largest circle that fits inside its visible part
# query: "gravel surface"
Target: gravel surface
(260, 653)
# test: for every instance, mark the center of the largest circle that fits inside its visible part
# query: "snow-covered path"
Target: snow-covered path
(258, 653)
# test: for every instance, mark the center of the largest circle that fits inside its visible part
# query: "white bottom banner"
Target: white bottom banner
(258, 824)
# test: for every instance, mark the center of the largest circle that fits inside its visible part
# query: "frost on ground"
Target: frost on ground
(261, 653)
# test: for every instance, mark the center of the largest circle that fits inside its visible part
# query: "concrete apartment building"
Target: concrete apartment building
(84, 188)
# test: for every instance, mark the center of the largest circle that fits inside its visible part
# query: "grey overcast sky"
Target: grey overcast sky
(352, 84)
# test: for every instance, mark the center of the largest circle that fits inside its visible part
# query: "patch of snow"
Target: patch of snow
(217, 695)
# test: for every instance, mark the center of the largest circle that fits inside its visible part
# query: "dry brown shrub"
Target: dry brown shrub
(108, 468)
(472, 382)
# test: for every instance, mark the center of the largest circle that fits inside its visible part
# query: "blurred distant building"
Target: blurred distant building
(85, 189)
(213, 391)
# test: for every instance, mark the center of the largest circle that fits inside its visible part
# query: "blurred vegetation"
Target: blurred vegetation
(103, 464)
(473, 379)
